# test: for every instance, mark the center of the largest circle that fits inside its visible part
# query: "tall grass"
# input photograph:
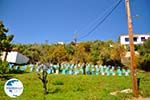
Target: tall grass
(76, 87)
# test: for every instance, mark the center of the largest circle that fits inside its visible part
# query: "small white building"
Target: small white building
(61, 43)
(137, 38)
(15, 57)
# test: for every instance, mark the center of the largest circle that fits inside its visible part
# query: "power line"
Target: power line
(97, 19)
(111, 11)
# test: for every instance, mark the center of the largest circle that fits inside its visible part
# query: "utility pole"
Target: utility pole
(132, 53)
(75, 42)
(75, 38)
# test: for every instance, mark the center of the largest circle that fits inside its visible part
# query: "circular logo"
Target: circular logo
(13, 88)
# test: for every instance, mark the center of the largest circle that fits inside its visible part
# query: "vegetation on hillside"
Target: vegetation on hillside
(96, 52)
(144, 51)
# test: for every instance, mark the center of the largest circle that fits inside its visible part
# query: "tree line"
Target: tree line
(95, 52)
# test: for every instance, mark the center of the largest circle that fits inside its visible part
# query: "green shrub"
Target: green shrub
(78, 88)
(58, 82)
(4, 67)
(55, 89)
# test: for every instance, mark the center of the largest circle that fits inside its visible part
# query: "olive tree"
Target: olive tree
(42, 75)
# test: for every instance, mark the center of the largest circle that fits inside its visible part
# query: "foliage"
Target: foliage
(59, 54)
(4, 67)
(32, 51)
(96, 52)
(144, 51)
(58, 82)
(5, 40)
(80, 53)
(43, 76)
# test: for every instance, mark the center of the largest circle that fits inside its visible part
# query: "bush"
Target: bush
(55, 89)
(144, 51)
(58, 82)
(4, 67)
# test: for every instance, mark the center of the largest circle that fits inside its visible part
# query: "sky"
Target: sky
(38, 21)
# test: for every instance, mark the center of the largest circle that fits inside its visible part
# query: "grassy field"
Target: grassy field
(76, 87)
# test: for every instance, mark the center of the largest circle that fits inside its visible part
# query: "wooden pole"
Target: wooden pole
(132, 53)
